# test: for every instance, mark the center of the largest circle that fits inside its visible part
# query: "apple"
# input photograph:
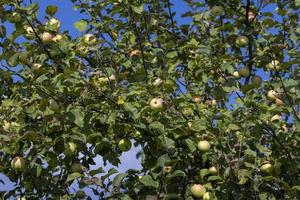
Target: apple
(112, 77)
(208, 196)
(77, 167)
(156, 103)
(167, 169)
(257, 81)
(203, 145)
(197, 99)
(213, 170)
(54, 24)
(267, 167)
(276, 118)
(244, 72)
(36, 66)
(273, 65)
(82, 50)
(80, 194)
(271, 95)
(158, 82)
(190, 124)
(114, 35)
(214, 102)
(29, 33)
(198, 190)
(14, 17)
(90, 39)
(235, 74)
(70, 149)
(278, 102)
(124, 144)
(18, 163)
(284, 128)
(242, 41)
(217, 10)
(135, 52)
(251, 16)
(57, 38)
(46, 37)
(5, 125)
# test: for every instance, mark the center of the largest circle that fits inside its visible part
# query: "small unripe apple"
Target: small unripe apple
(267, 167)
(213, 170)
(197, 99)
(70, 149)
(198, 190)
(124, 144)
(203, 145)
(242, 41)
(271, 95)
(14, 17)
(217, 10)
(276, 118)
(18, 163)
(168, 169)
(235, 74)
(156, 103)
(158, 82)
(257, 81)
(57, 38)
(278, 102)
(76, 167)
(46, 37)
(90, 39)
(244, 72)
(273, 65)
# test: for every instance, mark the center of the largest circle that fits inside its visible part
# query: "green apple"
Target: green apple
(198, 190)
(213, 170)
(14, 17)
(36, 66)
(274, 65)
(18, 163)
(208, 196)
(57, 38)
(76, 167)
(276, 118)
(267, 167)
(235, 74)
(29, 33)
(217, 10)
(257, 81)
(124, 144)
(156, 103)
(158, 82)
(90, 39)
(271, 95)
(53, 24)
(203, 145)
(70, 149)
(82, 50)
(244, 72)
(46, 37)
(242, 41)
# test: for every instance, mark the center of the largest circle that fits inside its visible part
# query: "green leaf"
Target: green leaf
(118, 179)
(97, 171)
(177, 173)
(73, 176)
(51, 10)
(203, 173)
(81, 25)
(138, 9)
(110, 172)
(148, 181)
(79, 117)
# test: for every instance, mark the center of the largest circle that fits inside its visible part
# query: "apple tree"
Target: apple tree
(212, 101)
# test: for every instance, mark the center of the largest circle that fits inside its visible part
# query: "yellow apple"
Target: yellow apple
(213, 170)
(57, 38)
(112, 77)
(203, 145)
(124, 144)
(267, 167)
(46, 37)
(242, 41)
(70, 149)
(90, 39)
(18, 163)
(5, 125)
(271, 95)
(244, 72)
(156, 103)
(198, 190)
(54, 24)
(158, 82)
(29, 33)
(276, 118)
(236, 74)
(274, 65)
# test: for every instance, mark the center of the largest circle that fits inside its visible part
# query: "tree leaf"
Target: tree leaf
(81, 25)
(118, 179)
(73, 176)
(51, 10)
(148, 181)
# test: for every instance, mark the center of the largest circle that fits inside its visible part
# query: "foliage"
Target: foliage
(67, 100)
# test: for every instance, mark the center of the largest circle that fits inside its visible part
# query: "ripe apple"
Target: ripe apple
(76, 167)
(18, 163)
(213, 170)
(244, 72)
(46, 37)
(198, 190)
(203, 145)
(197, 99)
(235, 74)
(257, 81)
(14, 17)
(57, 38)
(271, 95)
(242, 41)
(156, 103)
(54, 24)
(273, 65)
(90, 39)
(278, 102)
(276, 118)
(267, 167)
(70, 149)
(158, 82)
(217, 10)
(124, 144)
(167, 169)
